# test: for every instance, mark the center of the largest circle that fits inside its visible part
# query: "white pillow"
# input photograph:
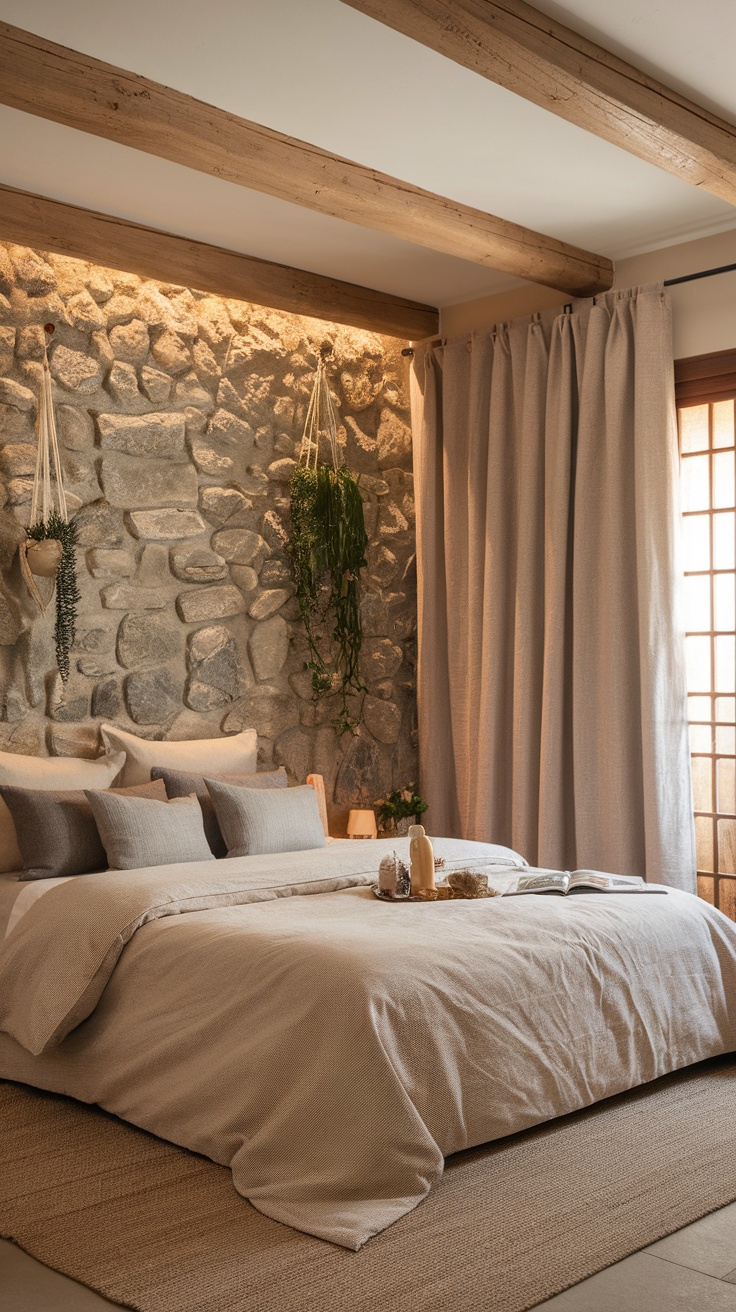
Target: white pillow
(233, 755)
(49, 774)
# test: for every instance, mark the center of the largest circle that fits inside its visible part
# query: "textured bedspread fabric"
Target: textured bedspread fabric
(331, 1049)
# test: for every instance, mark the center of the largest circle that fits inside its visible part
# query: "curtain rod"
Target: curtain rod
(669, 282)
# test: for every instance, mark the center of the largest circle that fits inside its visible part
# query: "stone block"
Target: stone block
(374, 617)
(207, 460)
(7, 276)
(382, 719)
(120, 309)
(239, 546)
(98, 284)
(219, 503)
(209, 603)
(16, 425)
(226, 427)
(17, 460)
(166, 525)
(131, 482)
(217, 676)
(244, 577)
(19, 490)
(106, 562)
(122, 384)
(75, 427)
(267, 603)
(153, 567)
(171, 353)
(189, 391)
(156, 385)
(205, 363)
(276, 573)
(269, 647)
(393, 440)
(380, 658)
(15, 394)
(95, 667)
(152, 696)
(145, 639)
(129, 596)
(32, 273)
(99, 525)
(75, 370)
(383, 565)
(268, 711)
(197, 565)
(357, 776)
(7, 349)
(130, 341)
(280, 471)
(107, 702)
(294, 751)
(156, 435)
(84, 312)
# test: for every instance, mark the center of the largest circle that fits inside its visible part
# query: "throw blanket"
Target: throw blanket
(331, 1049)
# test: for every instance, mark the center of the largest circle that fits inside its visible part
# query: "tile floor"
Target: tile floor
(693, 1270)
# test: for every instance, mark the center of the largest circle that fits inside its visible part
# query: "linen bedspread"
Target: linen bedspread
(332, 1049)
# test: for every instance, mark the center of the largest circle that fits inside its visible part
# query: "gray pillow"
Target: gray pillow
(255, 821)
(57, 834)
(137, 832)
(181, 784)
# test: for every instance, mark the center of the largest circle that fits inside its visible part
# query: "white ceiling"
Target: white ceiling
(318, 70)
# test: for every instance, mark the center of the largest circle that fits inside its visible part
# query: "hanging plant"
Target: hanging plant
(327, 550)
(56, 529)
(49, 550)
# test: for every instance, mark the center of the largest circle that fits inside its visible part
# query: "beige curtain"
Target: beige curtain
(552, 712)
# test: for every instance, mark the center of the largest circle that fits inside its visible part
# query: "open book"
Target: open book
(576, 881)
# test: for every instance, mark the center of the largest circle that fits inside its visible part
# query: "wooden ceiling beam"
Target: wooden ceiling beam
(511, 43)
(52, 225)
(52, 82)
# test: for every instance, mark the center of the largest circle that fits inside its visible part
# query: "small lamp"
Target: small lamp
(362, 824)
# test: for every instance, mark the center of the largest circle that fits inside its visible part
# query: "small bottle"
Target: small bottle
(421, 857)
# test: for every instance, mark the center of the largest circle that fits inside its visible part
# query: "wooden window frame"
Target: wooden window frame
(701, 380)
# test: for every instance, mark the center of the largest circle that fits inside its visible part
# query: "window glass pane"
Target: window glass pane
(694, 428)
(724, 589)
(698, 708)
(696, 542)
(697, 659)
(724, 542)
(722, 479)
(697, 603)
(725, 739)
(726, 785)
(701, 738)
(702, 783)
(727, 897)
(727, 846)
(723, 423)
(704, 842)
(725, 665)
(726, 710)
(695, 483)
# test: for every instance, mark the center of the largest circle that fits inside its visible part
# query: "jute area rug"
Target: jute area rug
(159, 1229)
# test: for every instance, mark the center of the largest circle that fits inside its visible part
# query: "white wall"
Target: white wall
(703, 312)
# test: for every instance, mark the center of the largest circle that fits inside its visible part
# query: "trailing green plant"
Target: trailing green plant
(327, 550)
(398, 805)
(67, 590)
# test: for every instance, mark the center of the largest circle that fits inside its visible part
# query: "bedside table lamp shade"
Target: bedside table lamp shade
(362, 824)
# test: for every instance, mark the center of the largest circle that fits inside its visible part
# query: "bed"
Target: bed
(331, 1050)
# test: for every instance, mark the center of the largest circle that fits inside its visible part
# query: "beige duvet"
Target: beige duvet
(331, 1049)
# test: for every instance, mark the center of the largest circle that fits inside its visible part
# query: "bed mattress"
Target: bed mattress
(332, 1050)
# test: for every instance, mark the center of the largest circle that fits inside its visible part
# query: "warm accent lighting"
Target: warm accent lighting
(362, 824)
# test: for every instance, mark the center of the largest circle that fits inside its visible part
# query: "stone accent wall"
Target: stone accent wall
(180, 416)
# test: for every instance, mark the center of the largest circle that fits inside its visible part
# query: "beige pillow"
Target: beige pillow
(50, 774)
(233, 755)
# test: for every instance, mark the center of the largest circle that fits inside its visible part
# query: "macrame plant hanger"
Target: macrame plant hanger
(321, 420)
(41, 559)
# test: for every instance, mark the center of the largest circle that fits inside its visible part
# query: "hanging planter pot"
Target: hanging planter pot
(49, 551)
(44, 558)
(327, 549)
